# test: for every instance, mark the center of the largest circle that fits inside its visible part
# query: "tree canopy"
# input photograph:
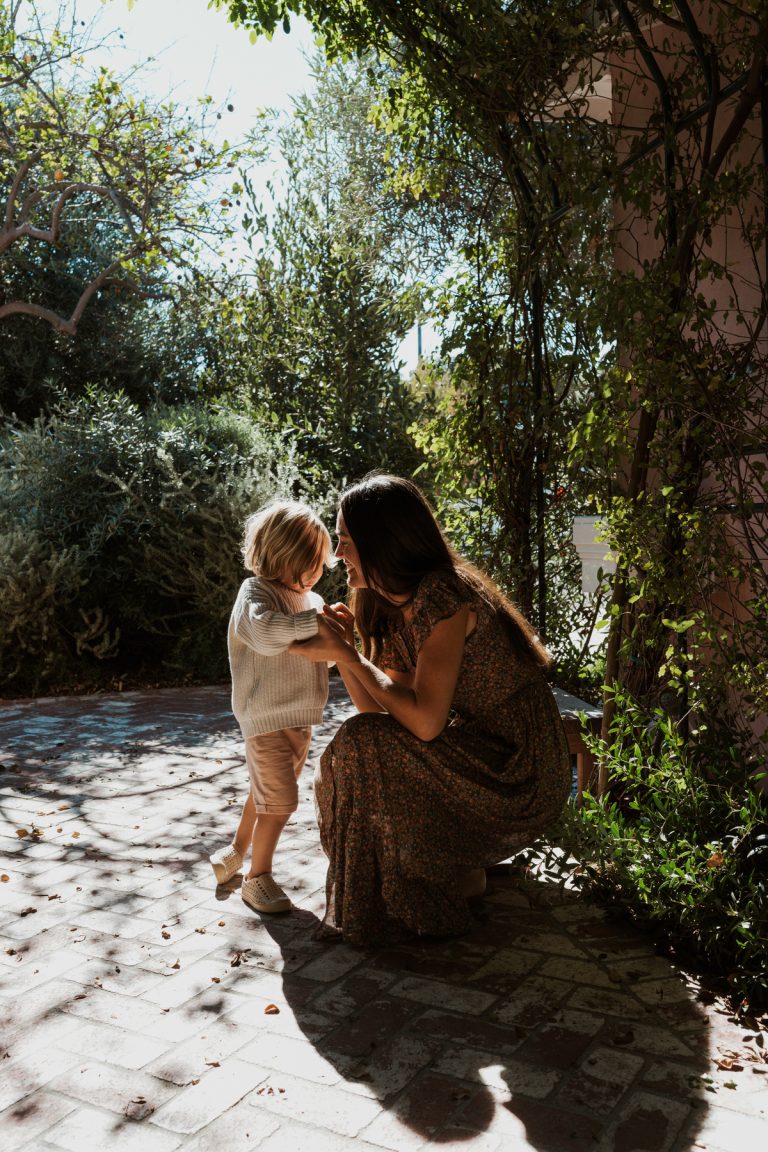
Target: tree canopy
(101, 190)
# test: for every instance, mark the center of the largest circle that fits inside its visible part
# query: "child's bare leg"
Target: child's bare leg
(266, 834)
(245, 828)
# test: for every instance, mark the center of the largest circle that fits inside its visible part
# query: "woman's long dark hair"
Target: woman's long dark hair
(399, 542)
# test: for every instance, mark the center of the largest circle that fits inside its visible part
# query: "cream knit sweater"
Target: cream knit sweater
(272, 688)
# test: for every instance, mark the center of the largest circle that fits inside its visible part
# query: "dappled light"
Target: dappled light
(137, 988)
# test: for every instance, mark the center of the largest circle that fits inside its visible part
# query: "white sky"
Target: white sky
(198, 52)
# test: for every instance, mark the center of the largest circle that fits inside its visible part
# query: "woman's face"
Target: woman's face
(347, 553)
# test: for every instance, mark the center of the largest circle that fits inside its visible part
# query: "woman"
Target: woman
(457, 758)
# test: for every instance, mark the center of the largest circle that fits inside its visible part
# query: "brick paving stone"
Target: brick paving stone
(600, 1080)
(579, 972)
(126, 980)
(609, 1003)
(304, 1138)
(92, 1130)
(118, 1090)
(375, 1023)
(457, 1138)
(333, 963)
(290, 1020)
(506, 969)
(522, 1124)
(20, 1035)
(352, 992)
(442, 995)
(562, 1041)
(647, 1124)
(504, 1076)
(450, 1028)
(198, 1104)
(680, 1079)
(291, 1055)
(25, 1073)
(26, 1121)
(29, 973)
(655, 1040)
(328, 1108)
(387, 1069)
(113, 1045)
(181, 1063)
(531, 1003)
(240, 1129)
(421, 1110)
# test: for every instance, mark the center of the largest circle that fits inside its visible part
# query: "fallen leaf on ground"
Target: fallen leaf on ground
(22, 832)
(27, 911)
(213, 1064)
(4, 878)
(271, 1010)
(165, 935)
(215, 980)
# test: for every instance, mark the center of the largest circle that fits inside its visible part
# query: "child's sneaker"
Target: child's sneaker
(263, 895)
(226, 863)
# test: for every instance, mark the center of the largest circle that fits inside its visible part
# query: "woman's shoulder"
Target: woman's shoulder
(440, 594)
(443, 588)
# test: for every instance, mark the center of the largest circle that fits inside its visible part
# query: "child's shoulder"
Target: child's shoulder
(256, 588)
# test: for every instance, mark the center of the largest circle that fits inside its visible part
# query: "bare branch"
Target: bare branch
(10, 233)
(19, 179)
(59, 323)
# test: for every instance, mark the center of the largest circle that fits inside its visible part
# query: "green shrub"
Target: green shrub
(119, 540)
(681, 843)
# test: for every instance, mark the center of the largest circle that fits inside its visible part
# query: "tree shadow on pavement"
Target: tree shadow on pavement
(549, 1023)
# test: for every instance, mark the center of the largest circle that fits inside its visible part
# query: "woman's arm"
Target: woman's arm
(421, 704)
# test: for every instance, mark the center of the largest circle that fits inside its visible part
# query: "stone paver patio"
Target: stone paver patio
(142, 1008)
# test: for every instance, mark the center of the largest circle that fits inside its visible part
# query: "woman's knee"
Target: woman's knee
(359, 730)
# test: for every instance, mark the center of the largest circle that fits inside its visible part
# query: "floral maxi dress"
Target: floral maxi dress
(401, 818)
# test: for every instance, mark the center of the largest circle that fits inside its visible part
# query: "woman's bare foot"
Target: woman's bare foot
(473, 882)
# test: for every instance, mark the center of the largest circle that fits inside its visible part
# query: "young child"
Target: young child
(276, 696)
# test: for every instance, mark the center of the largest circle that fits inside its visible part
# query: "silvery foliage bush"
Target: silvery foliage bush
(119, 539)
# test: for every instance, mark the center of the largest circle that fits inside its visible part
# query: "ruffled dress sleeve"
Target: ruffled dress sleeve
(439, 596)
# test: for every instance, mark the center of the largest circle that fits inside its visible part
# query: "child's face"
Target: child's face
(308, 579)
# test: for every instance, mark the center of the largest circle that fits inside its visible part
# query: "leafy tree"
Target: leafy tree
(101, 191)
(119, 539)
(313, 336)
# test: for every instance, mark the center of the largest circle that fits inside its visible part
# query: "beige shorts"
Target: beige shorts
(275, 761)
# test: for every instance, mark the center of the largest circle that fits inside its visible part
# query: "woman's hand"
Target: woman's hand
(329, 644)
(341, 615)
